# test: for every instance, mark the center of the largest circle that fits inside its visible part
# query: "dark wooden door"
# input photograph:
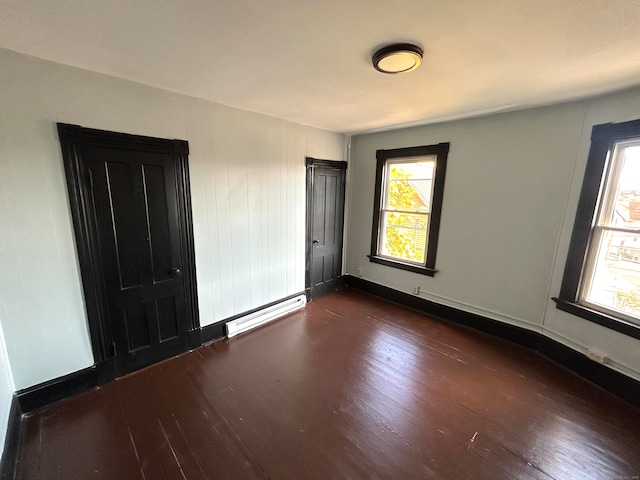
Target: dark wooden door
(325, 209)
(136, 194)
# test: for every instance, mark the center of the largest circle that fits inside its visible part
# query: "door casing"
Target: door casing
(72, 138)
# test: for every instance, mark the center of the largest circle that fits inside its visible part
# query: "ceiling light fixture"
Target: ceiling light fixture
(397, 58)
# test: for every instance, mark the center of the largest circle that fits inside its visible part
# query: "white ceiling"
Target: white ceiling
(308, 61)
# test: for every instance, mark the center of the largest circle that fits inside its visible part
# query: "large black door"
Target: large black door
(325, 225)
(135, 194)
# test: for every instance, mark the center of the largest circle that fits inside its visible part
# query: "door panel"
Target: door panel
(328, 211)
(329, 268)
(325, 198)
(168, 318)
(127, 254)
(317, 271)
(137, 326)
(158, 218)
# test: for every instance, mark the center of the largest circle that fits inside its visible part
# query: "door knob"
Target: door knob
(316, 241)
(176, 271)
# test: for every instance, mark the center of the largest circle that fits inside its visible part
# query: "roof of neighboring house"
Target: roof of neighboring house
(423, 190)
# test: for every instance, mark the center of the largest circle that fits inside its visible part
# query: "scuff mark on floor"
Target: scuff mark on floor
(472, 440)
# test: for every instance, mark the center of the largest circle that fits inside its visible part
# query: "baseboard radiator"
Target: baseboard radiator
(265, 315)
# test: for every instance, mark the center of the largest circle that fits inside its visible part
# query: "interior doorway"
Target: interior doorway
(131, 209)
(325, 225)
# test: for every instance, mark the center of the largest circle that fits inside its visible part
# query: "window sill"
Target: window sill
(403, 266)
(600, 318)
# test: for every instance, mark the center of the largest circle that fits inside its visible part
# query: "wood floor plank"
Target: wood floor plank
(150, 425)
(203, 430)
(351, 387)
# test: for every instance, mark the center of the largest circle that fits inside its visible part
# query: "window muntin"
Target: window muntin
(611, 275)
(405, 211)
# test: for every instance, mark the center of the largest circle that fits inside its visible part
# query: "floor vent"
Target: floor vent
(265, 315)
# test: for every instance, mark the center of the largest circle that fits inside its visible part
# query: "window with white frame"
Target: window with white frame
(612, 273)
(602, 274)
(409, 187)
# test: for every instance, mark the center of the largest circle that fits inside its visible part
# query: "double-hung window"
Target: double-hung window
(602, 274)
(408, 201)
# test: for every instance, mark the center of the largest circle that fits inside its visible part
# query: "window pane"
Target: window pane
(615, 283)
(404, 236)
(409, 186)
(624, 207)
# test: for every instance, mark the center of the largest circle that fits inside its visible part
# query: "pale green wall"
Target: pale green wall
(511, 192)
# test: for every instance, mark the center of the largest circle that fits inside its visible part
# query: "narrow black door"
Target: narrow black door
(135, 194)
(325, 209)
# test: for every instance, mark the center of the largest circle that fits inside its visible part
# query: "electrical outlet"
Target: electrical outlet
(416, 290)
(359, 271)
(597, 356)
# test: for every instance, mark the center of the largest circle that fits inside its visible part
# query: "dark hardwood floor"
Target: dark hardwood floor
(352, 387)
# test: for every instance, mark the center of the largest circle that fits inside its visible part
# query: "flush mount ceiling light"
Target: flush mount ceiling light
(397, 58)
